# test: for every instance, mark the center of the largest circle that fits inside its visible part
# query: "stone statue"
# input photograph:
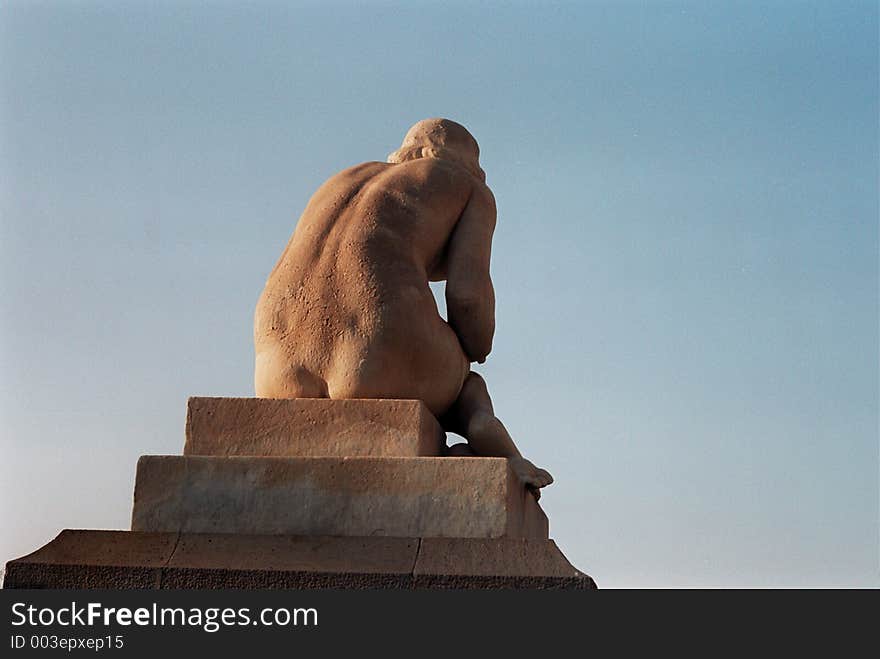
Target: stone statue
(347, 311)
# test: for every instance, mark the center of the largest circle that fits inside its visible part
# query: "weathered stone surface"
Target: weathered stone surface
(106, 548)
(492, 557)
(128, 559)
(311, 427)
(296, 553)
(93, 559)
(402, 497)
(232, 578)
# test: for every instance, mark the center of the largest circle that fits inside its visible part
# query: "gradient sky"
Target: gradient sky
(686, 257)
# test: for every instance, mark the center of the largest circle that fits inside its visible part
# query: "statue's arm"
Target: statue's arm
(470, 297)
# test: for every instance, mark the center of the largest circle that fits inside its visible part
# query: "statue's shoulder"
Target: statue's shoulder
(369, 168)
(483, 196)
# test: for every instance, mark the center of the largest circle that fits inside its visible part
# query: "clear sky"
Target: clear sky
(686, 257)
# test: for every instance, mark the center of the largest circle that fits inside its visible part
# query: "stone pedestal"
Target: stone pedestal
(133, 559)
(313, 493)
(401, 497)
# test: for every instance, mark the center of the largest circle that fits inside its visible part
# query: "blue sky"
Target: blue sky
(686, 258)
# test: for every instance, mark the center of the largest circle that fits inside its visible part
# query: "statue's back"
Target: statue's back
(347, 312)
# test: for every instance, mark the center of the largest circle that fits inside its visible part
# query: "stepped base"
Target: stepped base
(399, 497)
(128, 559)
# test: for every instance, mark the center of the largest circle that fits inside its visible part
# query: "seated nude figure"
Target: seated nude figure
(347, 311)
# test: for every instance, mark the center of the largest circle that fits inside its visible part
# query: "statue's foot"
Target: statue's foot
(532, 477)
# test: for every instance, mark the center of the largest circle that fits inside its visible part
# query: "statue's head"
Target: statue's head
(442, 139)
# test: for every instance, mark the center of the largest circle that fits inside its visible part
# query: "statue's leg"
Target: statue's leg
(473, 417)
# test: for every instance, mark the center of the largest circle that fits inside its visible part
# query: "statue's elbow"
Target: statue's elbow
(473, 321)
(482, 350)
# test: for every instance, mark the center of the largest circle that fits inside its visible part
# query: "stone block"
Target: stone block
(311, 427)
(128, 559)
(94, 559)
(397, 497)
